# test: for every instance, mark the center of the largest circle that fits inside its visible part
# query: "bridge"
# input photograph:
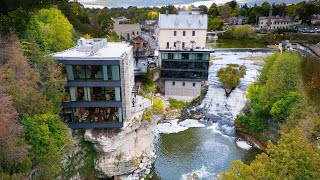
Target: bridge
(214, 32)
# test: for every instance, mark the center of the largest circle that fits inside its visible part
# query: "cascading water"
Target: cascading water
(206, 151)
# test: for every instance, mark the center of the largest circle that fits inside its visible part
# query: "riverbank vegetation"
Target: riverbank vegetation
(176, 104)
(283, 103)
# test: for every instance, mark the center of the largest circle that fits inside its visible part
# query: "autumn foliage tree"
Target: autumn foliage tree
(21, 81)
(13, 149)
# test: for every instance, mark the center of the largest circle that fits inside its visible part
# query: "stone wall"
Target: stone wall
(127, 83)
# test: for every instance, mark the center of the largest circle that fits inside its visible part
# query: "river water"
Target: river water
(207, 148)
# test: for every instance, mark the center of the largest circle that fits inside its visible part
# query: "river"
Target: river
(208, 147)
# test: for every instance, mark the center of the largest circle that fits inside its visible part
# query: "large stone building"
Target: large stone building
(184, 60)
(125, 30)
(100, 80)
(272, 23)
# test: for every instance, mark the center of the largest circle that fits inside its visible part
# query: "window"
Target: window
(183, 84)
(92, 114)
(173, 83)
(137, 33)
(193, 33)
(175, 33)
(183, 44)
(174, 44)
(184, 33)
(167, 44)
(194, 84)
(185, 56)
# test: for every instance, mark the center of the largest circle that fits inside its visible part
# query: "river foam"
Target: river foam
(173, 126)
(198, 174)
(244, 145)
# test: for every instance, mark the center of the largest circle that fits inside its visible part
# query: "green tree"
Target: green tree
(52, 30)
(294, 157)
(215, 24)
(274, 96)
(106, 23)
(213, 10)
(48, 136)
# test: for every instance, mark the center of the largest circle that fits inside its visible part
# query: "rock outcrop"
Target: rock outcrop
(127, 153)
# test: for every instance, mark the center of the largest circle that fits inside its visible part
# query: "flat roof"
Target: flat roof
(187, 50)
(111, 51)
(183, 20)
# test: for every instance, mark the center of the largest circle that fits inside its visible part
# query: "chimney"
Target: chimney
(167, 12)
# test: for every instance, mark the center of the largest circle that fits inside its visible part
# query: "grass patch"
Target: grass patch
(176, 104)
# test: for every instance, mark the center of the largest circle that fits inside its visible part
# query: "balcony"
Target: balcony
(93, 117)
(140, 103)
(95, 125)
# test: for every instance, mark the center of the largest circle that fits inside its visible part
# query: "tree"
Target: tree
(203, 8)
(213, 10)
(15, 22)
(293, 158)
(215, 24)
(265, 8)
(52, 30)
(190, 7)
(48, 136)
(225, 11)
(274, 96)
(153, 15)
(13, 149)
(106, 23)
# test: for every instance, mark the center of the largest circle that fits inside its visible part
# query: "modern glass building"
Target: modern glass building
(100, 78)
(184, 65)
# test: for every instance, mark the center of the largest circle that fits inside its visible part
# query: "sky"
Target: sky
(140, 3)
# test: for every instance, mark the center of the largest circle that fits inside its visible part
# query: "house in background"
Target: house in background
(140, 54)
(125, 30)
(100, 81)
(183, 56)
(150, 25)
(240, 20)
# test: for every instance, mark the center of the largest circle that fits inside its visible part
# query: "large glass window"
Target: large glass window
(92, 114)
(93, 72)
(92, 94)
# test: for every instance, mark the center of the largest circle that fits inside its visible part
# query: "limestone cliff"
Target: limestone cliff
(129, 152)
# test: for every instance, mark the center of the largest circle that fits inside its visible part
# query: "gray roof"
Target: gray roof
(183, 21)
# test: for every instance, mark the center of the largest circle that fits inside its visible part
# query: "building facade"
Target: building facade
(100, 79)
(125, 30)
(183, 58)
(274, 23)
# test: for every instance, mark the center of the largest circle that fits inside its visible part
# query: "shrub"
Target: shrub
(148, 83)
(176, 104)
(157, 106)
(147, 115)
(230, 76)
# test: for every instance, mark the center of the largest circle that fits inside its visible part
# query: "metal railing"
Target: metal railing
(141, 106)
